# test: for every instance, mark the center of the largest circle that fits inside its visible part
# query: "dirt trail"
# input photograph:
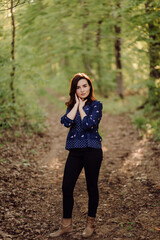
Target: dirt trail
(129, 206)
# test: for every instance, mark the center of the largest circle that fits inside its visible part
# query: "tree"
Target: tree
(154, 39)
(12, 74)
(117, 46)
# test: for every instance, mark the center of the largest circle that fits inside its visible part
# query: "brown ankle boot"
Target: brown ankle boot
(65, 228)
(90, 227)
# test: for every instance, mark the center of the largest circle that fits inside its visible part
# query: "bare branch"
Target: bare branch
(16, 5)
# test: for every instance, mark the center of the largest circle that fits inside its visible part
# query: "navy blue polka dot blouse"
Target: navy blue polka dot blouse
(84, 133)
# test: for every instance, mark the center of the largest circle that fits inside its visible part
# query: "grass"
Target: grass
(52, 97)
(59, 85)
(3, 160)
(111, 105)
(25, 162)
(115, 105)
(33, 151)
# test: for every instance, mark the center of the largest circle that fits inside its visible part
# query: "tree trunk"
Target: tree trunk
(12, 53)
(99, 69)
(85, 38)
(154, 54)
(154, 44)
(117, 47)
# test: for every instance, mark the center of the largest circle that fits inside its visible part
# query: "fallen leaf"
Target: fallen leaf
(156, 228)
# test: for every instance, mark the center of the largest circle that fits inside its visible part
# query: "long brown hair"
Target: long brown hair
(73, 87)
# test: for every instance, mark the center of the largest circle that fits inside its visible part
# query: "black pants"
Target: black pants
(90, 159)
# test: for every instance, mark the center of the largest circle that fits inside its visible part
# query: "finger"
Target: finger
(76, 98)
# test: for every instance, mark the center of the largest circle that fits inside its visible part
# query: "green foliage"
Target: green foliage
(115, 105)
(140, 122)
(148, 120)
(33, 151)
(154, 93)
(3, 160)
(129, 225)
(25, 162)
(60, 44)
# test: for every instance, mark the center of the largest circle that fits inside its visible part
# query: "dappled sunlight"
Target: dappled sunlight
(54, 163)
(133, 161)
(105, 149)
(135, 158)
(43, 45)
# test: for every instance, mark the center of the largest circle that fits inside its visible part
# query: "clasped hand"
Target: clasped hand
(80, 103)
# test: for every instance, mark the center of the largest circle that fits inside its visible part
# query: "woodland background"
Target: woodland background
(44, 43)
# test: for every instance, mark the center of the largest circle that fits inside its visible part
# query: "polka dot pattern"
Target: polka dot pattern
(84, 133)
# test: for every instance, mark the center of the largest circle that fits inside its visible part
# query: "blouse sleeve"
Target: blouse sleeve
(94, 116)
(67, 122)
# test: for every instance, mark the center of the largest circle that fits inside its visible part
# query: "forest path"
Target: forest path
(129, 206)
(31, 171)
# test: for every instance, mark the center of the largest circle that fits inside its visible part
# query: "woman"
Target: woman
(83, 115)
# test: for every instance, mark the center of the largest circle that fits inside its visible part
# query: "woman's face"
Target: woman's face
(83, 88)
